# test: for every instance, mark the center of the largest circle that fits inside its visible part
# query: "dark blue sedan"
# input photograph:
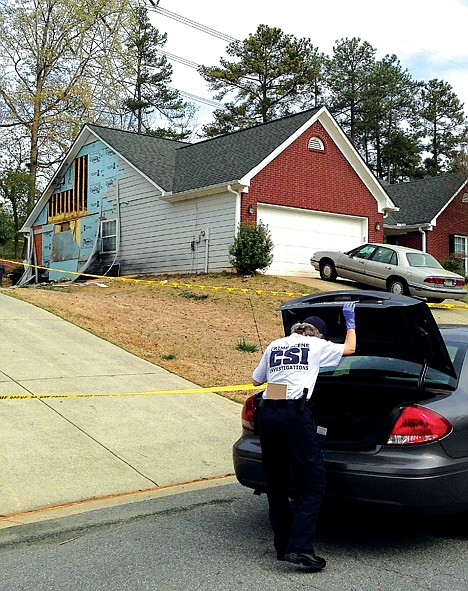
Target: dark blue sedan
(393, 418)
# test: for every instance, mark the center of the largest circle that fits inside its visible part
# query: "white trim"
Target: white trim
(81, 141)
(384, 201)
(434, 219)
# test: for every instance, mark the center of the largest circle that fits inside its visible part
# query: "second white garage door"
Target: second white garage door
(297, 234)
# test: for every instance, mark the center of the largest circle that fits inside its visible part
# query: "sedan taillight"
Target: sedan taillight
(418, 425)
(247, 414)
(442, 281)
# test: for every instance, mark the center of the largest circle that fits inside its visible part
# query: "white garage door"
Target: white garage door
(297, 234)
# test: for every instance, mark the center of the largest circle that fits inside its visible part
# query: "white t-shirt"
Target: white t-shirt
(295, 360)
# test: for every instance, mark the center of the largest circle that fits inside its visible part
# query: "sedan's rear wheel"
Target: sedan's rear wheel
(328, 271)
(398, 287)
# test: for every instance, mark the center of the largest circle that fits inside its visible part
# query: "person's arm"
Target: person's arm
(350, 317)
(260, 373)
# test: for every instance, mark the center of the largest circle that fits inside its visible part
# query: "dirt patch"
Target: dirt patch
(193, 326)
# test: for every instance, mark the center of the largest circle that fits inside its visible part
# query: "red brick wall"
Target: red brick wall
(411, 240)
(453, 220)
(316, 180)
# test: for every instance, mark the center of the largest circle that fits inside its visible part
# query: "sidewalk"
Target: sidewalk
(63, 450)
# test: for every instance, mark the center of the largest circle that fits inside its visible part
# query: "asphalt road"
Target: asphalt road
(219, 539)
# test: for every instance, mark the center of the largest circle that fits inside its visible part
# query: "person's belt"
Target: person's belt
(282, 403)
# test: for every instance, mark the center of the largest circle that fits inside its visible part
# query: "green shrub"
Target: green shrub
(252, 248)
(453, 264)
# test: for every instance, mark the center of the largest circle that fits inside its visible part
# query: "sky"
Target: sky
(429, 37)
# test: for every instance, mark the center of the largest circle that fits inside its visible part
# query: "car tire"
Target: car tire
(328, 271)
(398, 287)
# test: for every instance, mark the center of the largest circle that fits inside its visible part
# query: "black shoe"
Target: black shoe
(280, 556)
(309, 560)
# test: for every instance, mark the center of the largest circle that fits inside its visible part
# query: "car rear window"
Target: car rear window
(421, 259)
(394, 370)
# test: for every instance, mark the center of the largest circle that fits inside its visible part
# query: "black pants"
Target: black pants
(291, 456)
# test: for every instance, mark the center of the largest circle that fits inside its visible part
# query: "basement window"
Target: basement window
(109, 236)
(315, 143)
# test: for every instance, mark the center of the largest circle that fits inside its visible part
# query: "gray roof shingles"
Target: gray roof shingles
(155, 157)
(178, 166)
(421, 201)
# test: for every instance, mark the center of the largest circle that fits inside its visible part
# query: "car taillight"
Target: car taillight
(247, 414)
(441, 281)
(435, 280)
(418, 425)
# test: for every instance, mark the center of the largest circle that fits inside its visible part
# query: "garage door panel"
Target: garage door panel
(297, 233)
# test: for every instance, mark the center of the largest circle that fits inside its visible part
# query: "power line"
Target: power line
(191, 23)
(199, 99)
(177, 58)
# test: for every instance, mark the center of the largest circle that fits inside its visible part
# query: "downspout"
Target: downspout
(238, 205)
(28, 273)
(117, 245)
(207, 248)
(93, 250)
(423, 239)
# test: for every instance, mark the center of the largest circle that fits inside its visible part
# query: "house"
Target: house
(432, 216)
(129, 204)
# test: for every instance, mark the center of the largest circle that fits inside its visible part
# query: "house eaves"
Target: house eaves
(218, 160)
(421, 202)
(242, 154)
(204, 191)
(151, 157)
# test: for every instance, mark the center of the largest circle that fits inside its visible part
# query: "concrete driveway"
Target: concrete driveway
(64, 450)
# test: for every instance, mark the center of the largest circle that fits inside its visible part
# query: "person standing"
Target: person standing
(2, 273)
(288, 435)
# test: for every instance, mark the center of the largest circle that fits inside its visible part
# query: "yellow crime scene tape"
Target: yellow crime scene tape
(166, 283)
(239, 387)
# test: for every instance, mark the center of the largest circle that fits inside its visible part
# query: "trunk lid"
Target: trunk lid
(387, 325)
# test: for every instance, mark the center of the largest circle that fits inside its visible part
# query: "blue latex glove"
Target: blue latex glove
(348, 313)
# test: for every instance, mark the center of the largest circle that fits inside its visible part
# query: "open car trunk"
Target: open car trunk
(400, 359)
(351, 414)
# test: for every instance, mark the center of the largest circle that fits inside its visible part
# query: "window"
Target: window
(384, 255)
(315, 143)
(109, 236)
(460, 249)
(422, 259)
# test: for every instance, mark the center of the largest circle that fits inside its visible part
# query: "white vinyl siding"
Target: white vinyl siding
(298, 233)
(156, 236)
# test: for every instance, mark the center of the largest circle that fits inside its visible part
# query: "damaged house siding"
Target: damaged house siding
(150, 234)
(67, 229)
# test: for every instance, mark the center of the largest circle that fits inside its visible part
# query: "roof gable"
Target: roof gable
(232, 156)
(420, 202)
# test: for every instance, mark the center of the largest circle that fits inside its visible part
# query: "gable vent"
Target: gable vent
(315, 143)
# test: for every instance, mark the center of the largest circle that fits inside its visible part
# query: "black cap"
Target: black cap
(318, 323)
